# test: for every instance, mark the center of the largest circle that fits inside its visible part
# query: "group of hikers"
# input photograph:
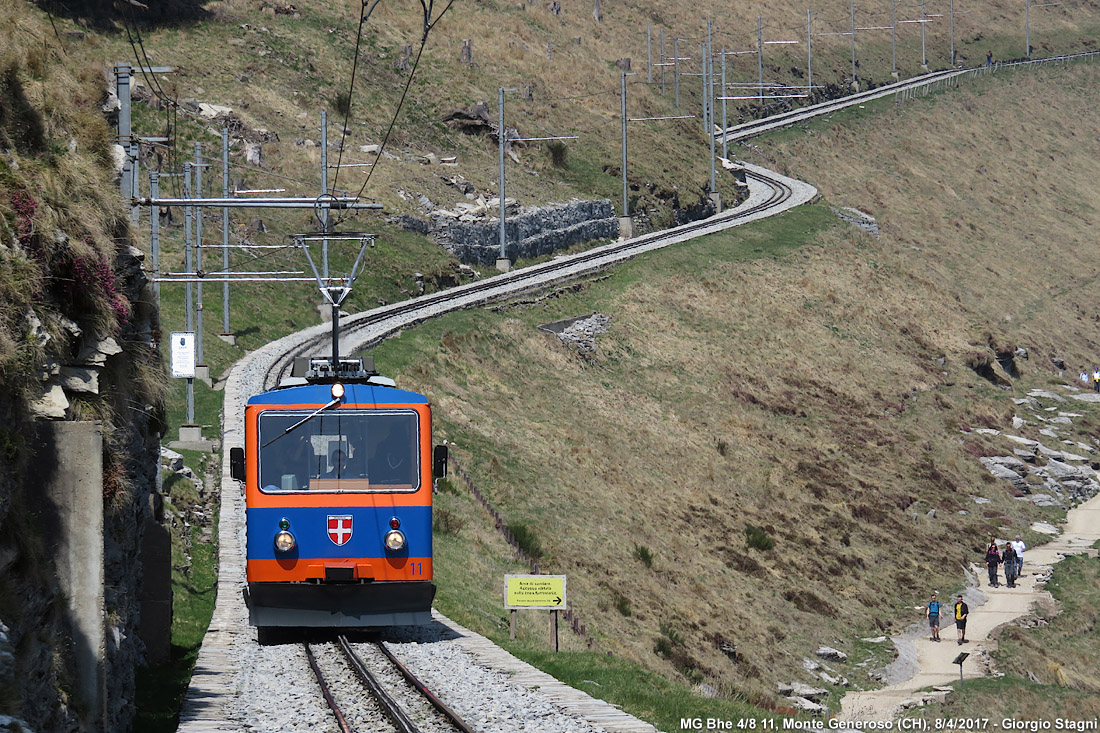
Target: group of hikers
(1011, 555)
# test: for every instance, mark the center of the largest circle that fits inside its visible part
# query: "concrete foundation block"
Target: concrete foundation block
(202, 373)
(190, 433)
(229, 338)
(71, 456)
(626, 227)
(504, 264)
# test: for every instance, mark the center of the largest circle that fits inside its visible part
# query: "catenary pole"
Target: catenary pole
(852, 8)
(324, 192)
(952, 33)
(662, 62)
(894, 35)
(198, 255)
(809, 53)
(710, 106)
(725, 123)
(923, 18)
(676, 67)
(649, 52)
(154, 233)
(225, 230)
(187, 286)
(622, 114)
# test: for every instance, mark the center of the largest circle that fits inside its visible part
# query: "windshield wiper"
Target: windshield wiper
(313, 414)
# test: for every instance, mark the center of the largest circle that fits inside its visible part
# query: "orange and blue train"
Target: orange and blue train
(338, 470)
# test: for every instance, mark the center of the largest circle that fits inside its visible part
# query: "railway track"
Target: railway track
(418, 711)
(363, 330)
(785, 119)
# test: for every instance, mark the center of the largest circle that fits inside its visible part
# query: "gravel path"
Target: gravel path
(989, 608)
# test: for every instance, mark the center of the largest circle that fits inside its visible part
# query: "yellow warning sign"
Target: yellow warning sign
(546, 592)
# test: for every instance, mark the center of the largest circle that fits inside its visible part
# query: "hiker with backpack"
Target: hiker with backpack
(932, 612)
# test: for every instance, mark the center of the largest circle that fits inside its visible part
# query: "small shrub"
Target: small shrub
(723, 447)
(642, 553)
(342, 103)
(559, 153)
(446, 486)
(757, 537)
(663, 647)
(672, 634)
(622, 604)
(446, 522)
(526, 538)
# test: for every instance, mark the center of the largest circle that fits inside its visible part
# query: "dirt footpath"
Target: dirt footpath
(1003, 604)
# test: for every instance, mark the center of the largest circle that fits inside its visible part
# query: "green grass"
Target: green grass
(639, 691)
(161, 688)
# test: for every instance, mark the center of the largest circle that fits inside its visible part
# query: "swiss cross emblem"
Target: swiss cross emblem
(339, 528)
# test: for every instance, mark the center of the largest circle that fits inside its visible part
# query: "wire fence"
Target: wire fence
(953, 81)
(571, 617)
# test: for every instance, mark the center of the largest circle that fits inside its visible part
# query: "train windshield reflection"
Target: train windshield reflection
(339, 450)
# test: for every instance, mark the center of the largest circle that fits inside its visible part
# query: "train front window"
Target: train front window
(339, 450)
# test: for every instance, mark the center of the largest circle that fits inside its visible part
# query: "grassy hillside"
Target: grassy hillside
(796, 376)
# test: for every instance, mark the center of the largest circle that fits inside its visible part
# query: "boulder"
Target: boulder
(52, 404)
(801, 703)
(827, 652)
(80, 379)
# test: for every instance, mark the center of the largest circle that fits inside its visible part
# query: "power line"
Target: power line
(364, 15)
(428, 25)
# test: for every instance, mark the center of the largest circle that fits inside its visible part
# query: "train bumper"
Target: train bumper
(353, 605)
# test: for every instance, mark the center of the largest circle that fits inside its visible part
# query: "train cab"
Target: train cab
(338, 468)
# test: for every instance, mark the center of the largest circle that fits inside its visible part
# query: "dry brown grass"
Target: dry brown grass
(820, 374)
(296, 66)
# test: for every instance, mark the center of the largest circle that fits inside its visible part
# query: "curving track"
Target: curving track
(233, 675)
(770, 193)
(231, 667)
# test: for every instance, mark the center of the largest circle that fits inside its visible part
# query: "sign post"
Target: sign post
(183, 367)
(959, 661)
(536, 592)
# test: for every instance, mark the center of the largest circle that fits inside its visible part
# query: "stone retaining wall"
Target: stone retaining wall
(532, 233)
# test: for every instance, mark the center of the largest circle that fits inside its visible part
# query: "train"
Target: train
(338, 469)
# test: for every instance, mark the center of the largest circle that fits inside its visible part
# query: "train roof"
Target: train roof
(355, 394)
(311, 383)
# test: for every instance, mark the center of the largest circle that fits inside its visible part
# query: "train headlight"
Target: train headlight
(395, 540)
(337, 391)
(284, 541)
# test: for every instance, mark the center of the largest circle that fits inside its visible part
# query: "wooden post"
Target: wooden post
(554, 631)
(513, 625)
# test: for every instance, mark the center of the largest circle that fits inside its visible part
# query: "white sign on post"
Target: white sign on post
(183, 354)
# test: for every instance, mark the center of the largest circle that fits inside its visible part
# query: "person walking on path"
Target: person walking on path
(961, 612)
(1018, 547)
(932, 611)
(1008, 557)
(989, 58)
(992, 560)
(1096, 379)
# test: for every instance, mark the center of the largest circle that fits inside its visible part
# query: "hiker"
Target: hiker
(992, 560)
(961, 612)
(1018, 547)
(1008, 557)
(932, 611)
(1085, 378)
(989, 57)
(1096, 379)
